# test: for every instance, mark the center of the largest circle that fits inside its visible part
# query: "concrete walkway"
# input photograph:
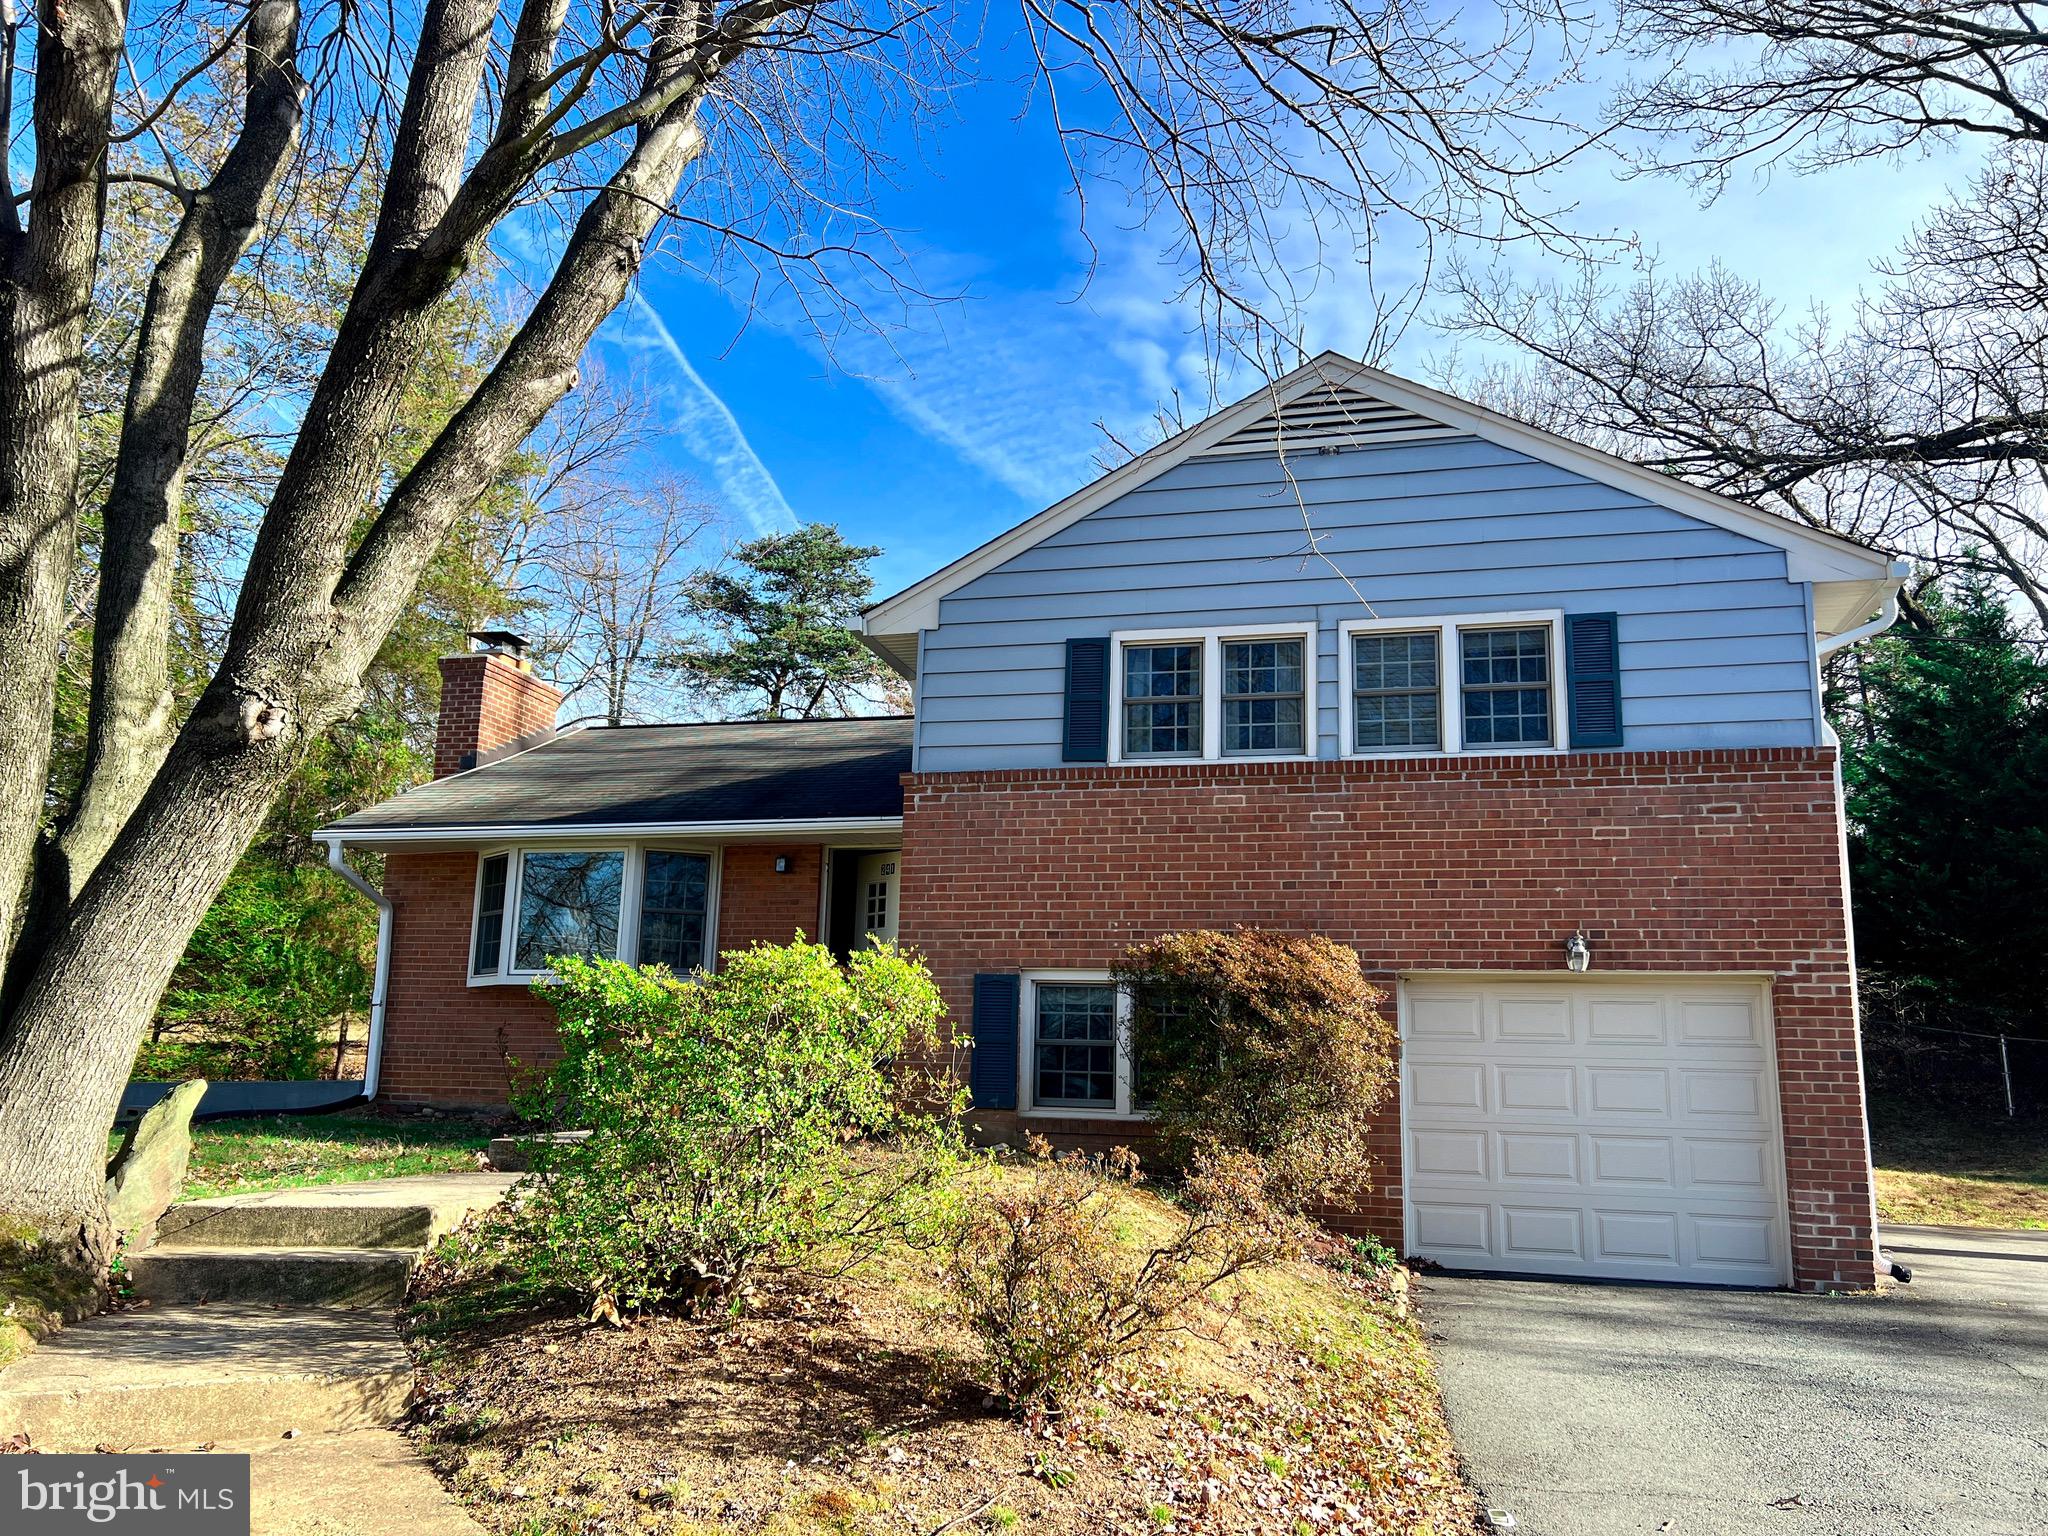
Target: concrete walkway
(273, 1331)
(1612, 1410)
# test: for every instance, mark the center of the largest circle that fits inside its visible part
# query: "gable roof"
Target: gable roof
(632, 779)
(1334, 402)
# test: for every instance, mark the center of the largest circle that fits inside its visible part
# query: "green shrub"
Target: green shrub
(757, 1117)
(1266, 1043)
(280, 961)
(1043, 1277)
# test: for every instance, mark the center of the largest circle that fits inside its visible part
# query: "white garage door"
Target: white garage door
(1600, 1128)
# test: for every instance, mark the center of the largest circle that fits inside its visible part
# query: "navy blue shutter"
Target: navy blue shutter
(992, 1073)
(1592, 663)
(1087, 731)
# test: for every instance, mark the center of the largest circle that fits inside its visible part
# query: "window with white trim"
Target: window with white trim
(1504, 686)
(1163, 700)
(1263, 697)
(1474, 683)
(568, 905)
(675, 909)
(1395, 682)
(1245, 691)
(1076, 1045)
(644, 905)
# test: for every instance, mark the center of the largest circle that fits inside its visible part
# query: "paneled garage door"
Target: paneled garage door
(1600, 1128)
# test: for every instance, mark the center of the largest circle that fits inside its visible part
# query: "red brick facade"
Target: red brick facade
(1707, 861)
(486, 701)
(758, 906)
(445, 1042)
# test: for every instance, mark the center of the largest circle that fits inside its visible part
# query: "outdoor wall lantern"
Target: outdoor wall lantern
(1578, 954)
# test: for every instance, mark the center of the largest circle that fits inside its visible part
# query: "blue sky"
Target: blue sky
(975, 413)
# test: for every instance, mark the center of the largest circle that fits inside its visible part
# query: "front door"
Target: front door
(874, 897)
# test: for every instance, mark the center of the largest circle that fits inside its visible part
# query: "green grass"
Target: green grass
(1955, 1168)
(291, 1151)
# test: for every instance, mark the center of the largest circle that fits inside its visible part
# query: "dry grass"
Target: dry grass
(1302, 1400)
(1954, 1168)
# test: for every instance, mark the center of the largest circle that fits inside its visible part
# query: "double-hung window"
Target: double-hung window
(1263, 698)
(1396, 681)
(1505, 686)
(1479, 683)
(644, 905)
(1241, 692)
(1162, 700)
(1076, 1045)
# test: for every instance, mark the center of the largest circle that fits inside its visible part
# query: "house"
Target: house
(1537, 731)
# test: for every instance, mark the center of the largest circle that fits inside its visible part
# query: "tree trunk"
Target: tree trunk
(45, 289)
(293, 667)
(70, 1039)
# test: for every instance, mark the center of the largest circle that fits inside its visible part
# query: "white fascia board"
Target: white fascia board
(503, 832)
(1811, 555)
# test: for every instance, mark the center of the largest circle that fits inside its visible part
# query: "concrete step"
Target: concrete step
(514, 1154)
(304, 1277)
(179, 1377)
(413, 1212)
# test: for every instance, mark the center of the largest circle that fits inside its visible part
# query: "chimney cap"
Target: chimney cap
(500, 642)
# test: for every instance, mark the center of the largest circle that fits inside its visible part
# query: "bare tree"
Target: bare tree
(1917, 421)
(614, 592)
(578, 118)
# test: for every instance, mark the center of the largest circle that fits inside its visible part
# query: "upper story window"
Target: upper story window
(1396, 682)
(1163, 700)
(644, 905)
(1263, 697)
(1477, 683)
(1240, 692)
(1505, 686)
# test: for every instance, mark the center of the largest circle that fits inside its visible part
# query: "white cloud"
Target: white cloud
(706, 428)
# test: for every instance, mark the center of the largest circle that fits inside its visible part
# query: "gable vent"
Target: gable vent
(1326, 419)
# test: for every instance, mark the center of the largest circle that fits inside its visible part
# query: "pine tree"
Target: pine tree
(1947, 778)
(778, 638)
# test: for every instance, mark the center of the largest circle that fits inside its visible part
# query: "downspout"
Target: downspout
(1887, 616)
(374, 1052)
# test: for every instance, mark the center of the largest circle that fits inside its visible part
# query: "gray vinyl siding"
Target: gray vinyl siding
(1716, 643)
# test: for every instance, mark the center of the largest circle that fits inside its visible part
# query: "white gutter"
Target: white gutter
(1887, 616)
(544, 831)
(374, 1053)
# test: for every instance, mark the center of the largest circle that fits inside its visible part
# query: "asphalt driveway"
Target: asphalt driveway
(1598, 1410)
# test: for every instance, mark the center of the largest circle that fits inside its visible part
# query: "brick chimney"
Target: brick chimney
(489, 698)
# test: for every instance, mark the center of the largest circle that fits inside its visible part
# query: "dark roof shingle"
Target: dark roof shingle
(780, 770)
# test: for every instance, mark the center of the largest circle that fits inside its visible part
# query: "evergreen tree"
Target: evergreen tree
(1946, 768)
(777, 634)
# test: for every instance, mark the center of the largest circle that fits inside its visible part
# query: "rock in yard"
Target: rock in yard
(150, 1170)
